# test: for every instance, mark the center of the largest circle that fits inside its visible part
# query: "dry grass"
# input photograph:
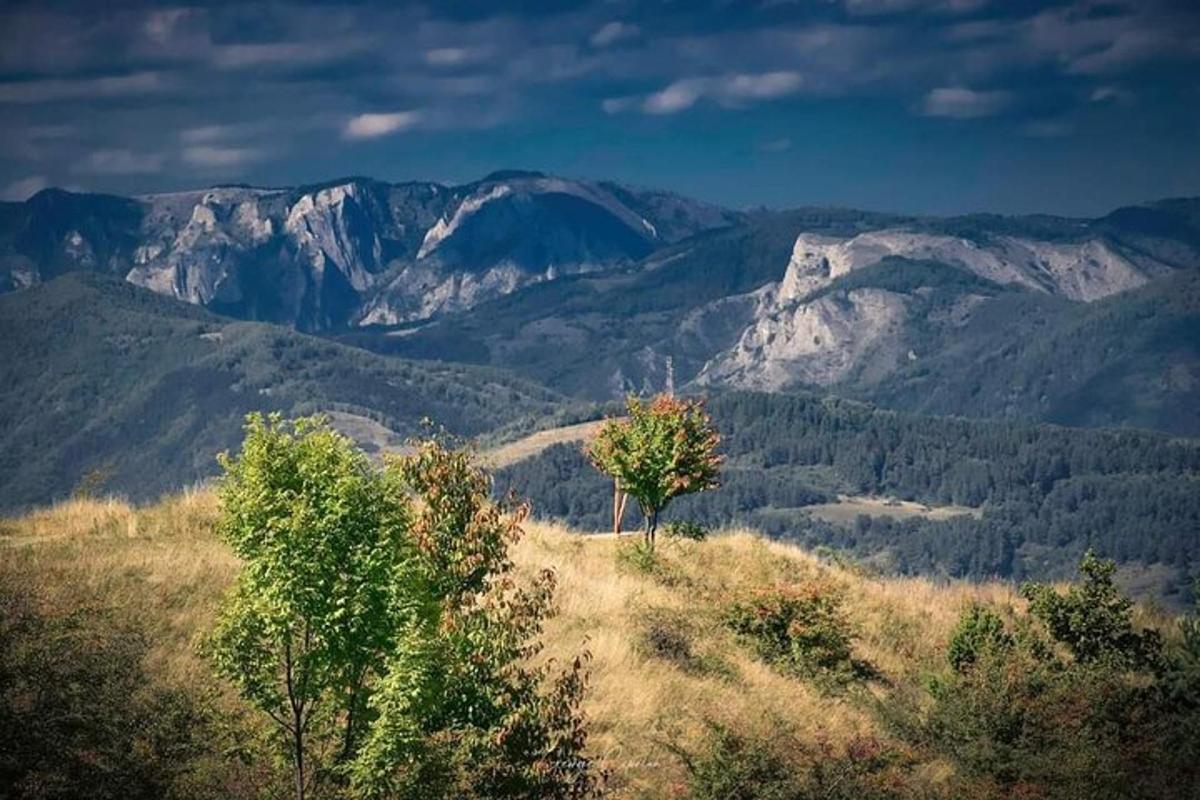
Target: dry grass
(164, 565)
(534, 443)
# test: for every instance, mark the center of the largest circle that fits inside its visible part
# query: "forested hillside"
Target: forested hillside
(100, 378)
(1046, 493)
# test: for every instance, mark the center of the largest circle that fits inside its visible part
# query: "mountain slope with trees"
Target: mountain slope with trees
(100, 378)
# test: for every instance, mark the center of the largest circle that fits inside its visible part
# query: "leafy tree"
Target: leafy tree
(462, 711)
(663, 449)
(378, 623)
(324, 545)
(1094, 619)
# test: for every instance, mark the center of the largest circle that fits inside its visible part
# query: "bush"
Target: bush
(1093, 619)
(801, 628)
(736, 766)
(980, 630)
(78, 715)
(687, 530)
(671, 635)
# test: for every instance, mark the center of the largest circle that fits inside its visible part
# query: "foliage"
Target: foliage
(731, 765)
(802, 628)
(1100, 718)
(979, 631)
(377, 622)
(78, 715)
(691, 531)
(665, 448)
(1094, 619)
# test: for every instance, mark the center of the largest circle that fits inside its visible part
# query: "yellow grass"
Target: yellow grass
(163, 565)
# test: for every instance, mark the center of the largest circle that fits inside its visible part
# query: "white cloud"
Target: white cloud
(679, 96)
(24, 188)
(615, 105)
(780, 145)
(1111, 94)
(614, 32)
(210, 156)
(960, 103)
(121, 161)
(372, 126)
(447, 56)
(765, 86)
(205, 133)
(730, 90)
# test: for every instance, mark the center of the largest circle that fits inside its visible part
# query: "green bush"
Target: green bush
(800, 628)
(731, 765)
(979, 630)
(1093, 619)
(687, 530)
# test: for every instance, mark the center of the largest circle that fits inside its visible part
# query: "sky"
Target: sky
(929, 106)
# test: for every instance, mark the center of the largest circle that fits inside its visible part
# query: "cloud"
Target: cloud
(614, 32)
(448, 56)
(729, 90)
(766, 86)
(372, 126)
(959, 103)
(615, 105)
(299, 53)
(212, 156)
(1111, 94)
(24, 188)
(780, 145)
(52, 90)
(121, 161)
(679, 96)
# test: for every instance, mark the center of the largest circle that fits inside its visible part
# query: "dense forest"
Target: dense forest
(1045, 493)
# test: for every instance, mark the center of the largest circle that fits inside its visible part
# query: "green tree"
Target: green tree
(1094, 619)
(377, 622)
(663, 449)
(323, 544)
(463, 709)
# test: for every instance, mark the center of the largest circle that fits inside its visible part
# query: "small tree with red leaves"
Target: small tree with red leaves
(664, 448)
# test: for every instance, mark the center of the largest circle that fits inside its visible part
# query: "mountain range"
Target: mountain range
(156, 322)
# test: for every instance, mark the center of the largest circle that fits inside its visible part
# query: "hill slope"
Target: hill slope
(670, 685)
(96, 374)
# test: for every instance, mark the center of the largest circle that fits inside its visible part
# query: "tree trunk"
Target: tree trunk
(651, 517)
(298, 755)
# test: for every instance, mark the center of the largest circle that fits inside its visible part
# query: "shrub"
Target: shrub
(687, 530)
(979, 630)
(79, 717)
(1094, 619)
(732, 765)
(801, 628)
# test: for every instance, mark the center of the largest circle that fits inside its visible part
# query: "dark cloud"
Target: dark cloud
(136, 95)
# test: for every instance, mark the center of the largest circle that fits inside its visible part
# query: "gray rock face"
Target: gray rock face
(351, 252)
(800, 333)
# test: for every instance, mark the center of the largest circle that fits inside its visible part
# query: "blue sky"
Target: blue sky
(939, 106)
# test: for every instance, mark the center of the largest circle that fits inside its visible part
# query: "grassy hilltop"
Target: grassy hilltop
(670, 686)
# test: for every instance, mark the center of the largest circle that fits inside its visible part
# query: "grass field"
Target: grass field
(849, 507)
(162, 566)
